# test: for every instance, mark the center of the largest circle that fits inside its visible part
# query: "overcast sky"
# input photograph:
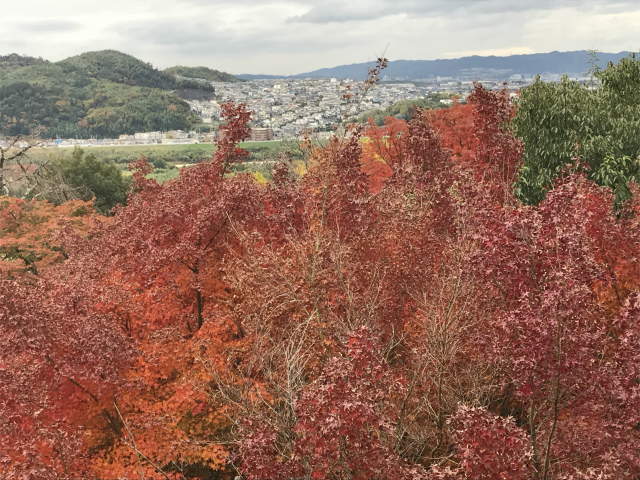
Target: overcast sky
(296, 36)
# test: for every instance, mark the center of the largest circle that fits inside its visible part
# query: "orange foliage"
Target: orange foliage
(26, 227)
(456, 128)
(382, 148)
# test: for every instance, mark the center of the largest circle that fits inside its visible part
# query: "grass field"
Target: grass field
(190, 153)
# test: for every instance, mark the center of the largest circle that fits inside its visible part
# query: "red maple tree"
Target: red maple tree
(394, 313)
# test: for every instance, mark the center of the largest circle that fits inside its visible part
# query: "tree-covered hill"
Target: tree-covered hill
(14, 61)
(104, 93)
(117, 67)
(204, 73)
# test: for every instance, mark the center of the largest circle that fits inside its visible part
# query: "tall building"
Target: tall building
(261, 134)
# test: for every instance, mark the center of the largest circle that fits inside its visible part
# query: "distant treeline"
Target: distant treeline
(203, 73)
(404, 108)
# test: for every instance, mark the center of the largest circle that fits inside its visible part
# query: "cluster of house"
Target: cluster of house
(139, 138)
(172, 137)
(291, 106)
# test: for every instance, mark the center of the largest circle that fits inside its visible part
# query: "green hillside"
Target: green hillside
(203, 73)
(14, 61)
(105, 93)
(117, 67)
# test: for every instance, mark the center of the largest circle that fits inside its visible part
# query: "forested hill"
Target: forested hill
(13, 61)
(118, 67)
(203, 73)
(104, 93)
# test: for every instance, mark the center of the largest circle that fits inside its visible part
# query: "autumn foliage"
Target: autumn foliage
(394, 313)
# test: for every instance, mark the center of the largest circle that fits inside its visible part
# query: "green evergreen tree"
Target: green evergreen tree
(95, 178)
(597, 123)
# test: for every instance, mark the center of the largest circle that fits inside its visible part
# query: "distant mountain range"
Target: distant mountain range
(472, 68)
(104, 93)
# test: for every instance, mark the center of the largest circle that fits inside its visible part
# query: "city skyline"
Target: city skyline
(295, 36)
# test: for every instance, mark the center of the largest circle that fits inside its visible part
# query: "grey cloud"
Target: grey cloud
(199, 38)
(168, 33)
(339, 14)
(337, 11)
(50, 26)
